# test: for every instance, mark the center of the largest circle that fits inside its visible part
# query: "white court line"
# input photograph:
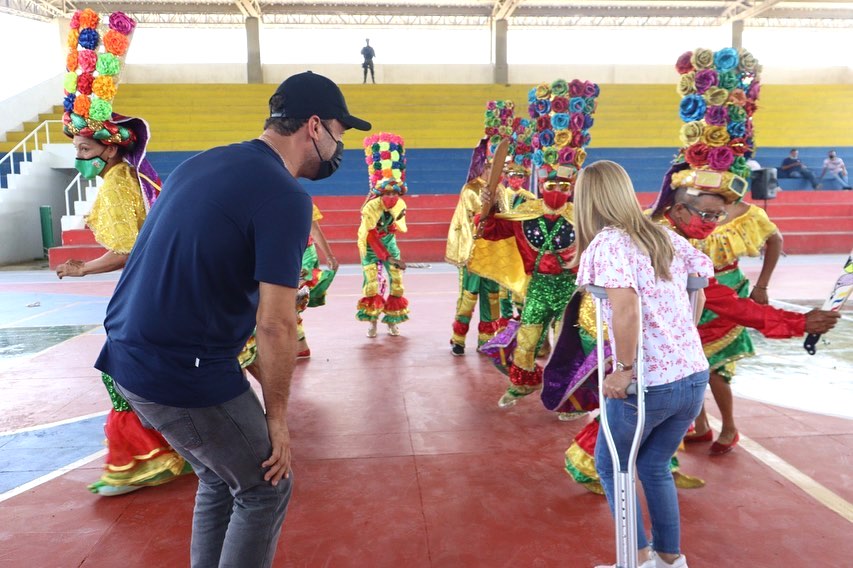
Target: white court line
(52, 424)
(818, 492)
(52, 311)
(52, 475)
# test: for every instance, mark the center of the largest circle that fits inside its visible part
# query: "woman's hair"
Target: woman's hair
(604, 197)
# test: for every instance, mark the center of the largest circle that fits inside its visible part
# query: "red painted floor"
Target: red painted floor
(403, 459)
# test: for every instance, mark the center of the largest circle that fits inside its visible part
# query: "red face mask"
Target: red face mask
(696, 228)
(515, 182)
(554, 200)
(389, 201)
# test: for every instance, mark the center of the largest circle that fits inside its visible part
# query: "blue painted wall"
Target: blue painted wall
(439, 171)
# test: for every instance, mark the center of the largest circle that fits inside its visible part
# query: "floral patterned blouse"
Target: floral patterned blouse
(671, 346)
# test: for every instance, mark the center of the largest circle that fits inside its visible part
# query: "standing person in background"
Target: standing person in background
(623, 251)
(180, 316)
(792, 167)
(836, 168)
(368, 53)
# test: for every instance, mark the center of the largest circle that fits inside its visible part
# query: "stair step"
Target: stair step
(342, 232)
(78, 237)
(817, 243)
(58, 255)
(813, 224)
(413, 215)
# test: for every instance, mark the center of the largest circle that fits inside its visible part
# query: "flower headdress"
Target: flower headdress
(719, 93)
(385, 157)
(563, 116)
(93, 64)
(500, 123)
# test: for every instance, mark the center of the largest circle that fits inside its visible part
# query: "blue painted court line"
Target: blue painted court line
(26, 456)
(31, 309)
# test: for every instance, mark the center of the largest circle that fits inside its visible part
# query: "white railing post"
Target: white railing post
(10, 155)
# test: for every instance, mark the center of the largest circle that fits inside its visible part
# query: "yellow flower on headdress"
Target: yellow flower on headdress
(543, 91)
(715, 136)
(691, 132)
(104, 87)
(562, 138)
(716, 96)
(686, 84)
(580, 157)
(702, 59)
(73, 38)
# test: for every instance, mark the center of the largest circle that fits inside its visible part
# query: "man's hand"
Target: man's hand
(398, 262)
(616, 383)
(70, 268)
(279, 462)
(759, 296)
(821, 321)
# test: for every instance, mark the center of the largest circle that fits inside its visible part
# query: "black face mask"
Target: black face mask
(328, 167)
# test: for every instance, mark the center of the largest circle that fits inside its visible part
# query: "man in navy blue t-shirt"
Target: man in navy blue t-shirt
(792, 167)
(221, 253)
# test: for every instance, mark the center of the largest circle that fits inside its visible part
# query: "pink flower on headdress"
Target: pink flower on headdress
(705, 79)
(560, 104)
(534, 142)
(576, 121)
(505, 113)
(576, 88)
(75, 20)
(754, 90)
(684, 63)
(720, 158)
(566, 155)
(589, 89)
(577, 138)
(122, 23)
(491, 105)
(749, 107)
(87, 59)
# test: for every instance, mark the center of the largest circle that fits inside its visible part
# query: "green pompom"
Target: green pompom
(100, 110)
(108, 64)
(70, 82)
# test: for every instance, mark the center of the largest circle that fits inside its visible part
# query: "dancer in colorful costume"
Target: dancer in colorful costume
(529, 248)
(499, 118)
(316, 279)
(113, 147)
(709, 174)
(382, 217)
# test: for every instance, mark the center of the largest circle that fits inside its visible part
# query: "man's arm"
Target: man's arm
(276, 337)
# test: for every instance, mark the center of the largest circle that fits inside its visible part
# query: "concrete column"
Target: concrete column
(737, 34)
(63, 29)
(254, 72)
(501, 69)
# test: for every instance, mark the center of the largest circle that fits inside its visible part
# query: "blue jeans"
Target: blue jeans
(804, 173)
(238, 516)
(670, 409)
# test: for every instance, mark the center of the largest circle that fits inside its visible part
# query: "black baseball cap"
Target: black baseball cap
(308, 94)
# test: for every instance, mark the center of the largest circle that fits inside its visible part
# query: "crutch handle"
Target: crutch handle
(598, 291)
(695, 283)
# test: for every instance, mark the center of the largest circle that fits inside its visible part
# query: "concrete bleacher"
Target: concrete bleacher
(635, 125)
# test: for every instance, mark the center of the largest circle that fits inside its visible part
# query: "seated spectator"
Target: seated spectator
(792, 167)
(751, 162)
(836, 168)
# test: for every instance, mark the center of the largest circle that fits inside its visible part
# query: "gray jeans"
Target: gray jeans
(238, 516)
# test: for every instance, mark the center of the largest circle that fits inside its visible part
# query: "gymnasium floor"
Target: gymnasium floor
(402, 457)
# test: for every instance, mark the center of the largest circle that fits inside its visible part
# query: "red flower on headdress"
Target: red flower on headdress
(697, 155)
(87, 59)
(684, 63)
(576, 88)
(560, 104)
(84, 84)
(543, 123)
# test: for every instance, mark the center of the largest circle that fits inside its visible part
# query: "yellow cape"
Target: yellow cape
(460, 236)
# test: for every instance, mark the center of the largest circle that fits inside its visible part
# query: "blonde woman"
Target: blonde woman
(624, 252)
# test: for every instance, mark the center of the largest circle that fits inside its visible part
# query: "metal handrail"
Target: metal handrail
(10, 156)
(76, 181)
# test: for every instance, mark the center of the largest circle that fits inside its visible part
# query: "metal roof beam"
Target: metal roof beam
(752, 11)
(503, 9)
(41, 10)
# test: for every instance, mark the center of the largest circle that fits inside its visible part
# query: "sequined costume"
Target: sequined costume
(545, 244)
(725, 343)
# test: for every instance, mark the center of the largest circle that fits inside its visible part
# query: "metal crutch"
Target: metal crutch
(625, 482)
